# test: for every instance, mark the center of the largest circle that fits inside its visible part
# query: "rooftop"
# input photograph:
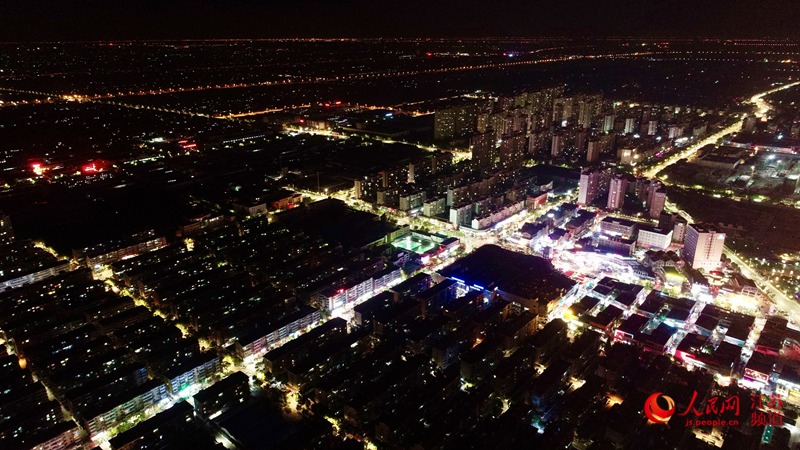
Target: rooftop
(522, 275)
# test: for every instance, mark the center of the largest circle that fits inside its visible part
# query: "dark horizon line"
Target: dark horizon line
(406, 38)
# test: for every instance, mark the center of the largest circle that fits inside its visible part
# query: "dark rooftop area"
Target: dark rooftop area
(521, 275)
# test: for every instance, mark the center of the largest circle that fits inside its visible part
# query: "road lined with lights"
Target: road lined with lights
(53, 97)
(369, 75)
(257, 113)
(458, 154)
(781, 300)
(778, 297)
(690, 151)
(312, 80)
(762, 107)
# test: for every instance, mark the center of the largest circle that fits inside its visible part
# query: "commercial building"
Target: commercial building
(496, 215)
(617, 244)
(347, 295)
(529, 281)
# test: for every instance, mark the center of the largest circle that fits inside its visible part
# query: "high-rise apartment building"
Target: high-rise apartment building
(592, 184)
(675, 131)
(593, 151)
(455, 122)
(586, 109)
(656, 199)
(679, 230)
(557, 145)
(652, 127)
(608, 123)
(703, 246)
(512, 151)
(581, 140)
(630, 125)
(6, 232)
(616, 192)
(484, 151)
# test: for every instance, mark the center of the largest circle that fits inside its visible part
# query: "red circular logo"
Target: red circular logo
(655, 413)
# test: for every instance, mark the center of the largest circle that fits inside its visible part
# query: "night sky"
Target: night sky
(35, 20)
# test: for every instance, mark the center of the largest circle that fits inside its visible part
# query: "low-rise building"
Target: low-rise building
(613, 226)
(651, 237)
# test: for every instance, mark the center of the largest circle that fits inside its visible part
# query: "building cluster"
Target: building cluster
(438, 352)
(760, 163)
(702, 248)
(624, 235)
(466, 350)
(397, 186)
(460, 194)
(23, 262)
(621, 192)
(180, 425)
(207, 300)
(232, 293)
(503, 131)
(774, 363)
(703, 244)
(461, 353)
(28, 418)
(246, 199)
(67, 172)
(252, 286)
(559, 224)
(501, 116)
(778, 132)
(664, 324)
(671, 251)
(103, 254)
(103, 358)
(701, 336)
